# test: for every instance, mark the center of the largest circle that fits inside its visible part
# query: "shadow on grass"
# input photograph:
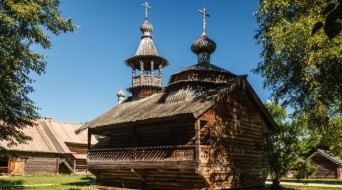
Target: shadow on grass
(85, 181)
(269, 187)
(10, 184)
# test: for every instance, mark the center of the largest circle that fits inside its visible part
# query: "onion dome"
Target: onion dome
(203, 44)
(146, 28)
(121, 96)
(203, 47)
(121, 93)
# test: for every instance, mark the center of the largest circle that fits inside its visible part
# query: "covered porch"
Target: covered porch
(157, 166)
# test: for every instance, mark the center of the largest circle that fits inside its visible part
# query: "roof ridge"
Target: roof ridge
(55, 121)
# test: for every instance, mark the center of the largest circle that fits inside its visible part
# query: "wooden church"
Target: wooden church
(207, 129)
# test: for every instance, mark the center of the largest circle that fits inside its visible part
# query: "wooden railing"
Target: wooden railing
(157, 153)
(149, 80)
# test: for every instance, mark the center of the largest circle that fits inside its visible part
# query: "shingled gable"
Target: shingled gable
(328, 155)
(156, 108)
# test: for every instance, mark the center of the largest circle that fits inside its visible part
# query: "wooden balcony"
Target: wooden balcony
(147, 79)
(158, 153)
(146, 157)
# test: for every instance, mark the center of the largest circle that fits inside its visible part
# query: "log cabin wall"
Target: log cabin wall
(325, 167)
(77, 147)
(178, 132)
(236, 136)
(39, 163)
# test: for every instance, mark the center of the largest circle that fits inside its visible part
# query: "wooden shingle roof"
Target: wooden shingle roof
(161, 107)
(330, 156)
(50, 136)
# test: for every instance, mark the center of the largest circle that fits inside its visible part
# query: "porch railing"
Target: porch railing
(156, 153)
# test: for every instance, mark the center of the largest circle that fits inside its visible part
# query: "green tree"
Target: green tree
(301, 56)
(23, 23)
(330, 137)
(287, 146)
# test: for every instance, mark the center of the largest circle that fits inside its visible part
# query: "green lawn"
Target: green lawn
(323, 181)
(79, 182)
(285, 187)
(54, 182)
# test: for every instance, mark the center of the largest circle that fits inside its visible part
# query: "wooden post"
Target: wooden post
(198, 142)
(152, 67)
(74, 165)
(89, 139)
(141, 68)
(160, 71)
(57, 165)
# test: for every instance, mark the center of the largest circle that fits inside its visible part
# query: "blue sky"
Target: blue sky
(86, 68)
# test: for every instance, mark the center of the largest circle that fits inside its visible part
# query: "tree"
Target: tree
(23, 23)
(301, 56)
(288, 146)
(330, 137)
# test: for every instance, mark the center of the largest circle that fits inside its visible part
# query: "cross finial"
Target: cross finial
(205, 14)
(146, 5)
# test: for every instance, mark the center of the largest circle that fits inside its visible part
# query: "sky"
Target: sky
(85, 69)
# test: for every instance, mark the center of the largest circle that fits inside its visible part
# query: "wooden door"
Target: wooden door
(16, 166)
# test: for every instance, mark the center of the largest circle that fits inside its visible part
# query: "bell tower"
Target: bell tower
(147, 66)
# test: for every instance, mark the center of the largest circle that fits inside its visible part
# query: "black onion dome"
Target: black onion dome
(203, 44)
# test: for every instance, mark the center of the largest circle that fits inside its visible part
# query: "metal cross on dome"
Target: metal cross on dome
(205, 14)
(146, 5)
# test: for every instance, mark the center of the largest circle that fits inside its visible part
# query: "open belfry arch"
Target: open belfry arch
(206, 129)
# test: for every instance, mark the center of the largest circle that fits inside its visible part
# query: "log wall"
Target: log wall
(325, 167)
(237, 153)
(77, 147)
(47, 163)
(41, 164)
(178, 132)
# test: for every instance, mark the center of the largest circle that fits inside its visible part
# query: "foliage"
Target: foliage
(23, 23)
(330, 137)
(287, 146)
(301, 57)
(305, 170)
(327, 137)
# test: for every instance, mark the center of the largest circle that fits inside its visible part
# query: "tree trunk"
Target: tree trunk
(276, 181)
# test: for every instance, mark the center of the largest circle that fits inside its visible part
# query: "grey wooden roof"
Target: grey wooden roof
(158, 107)
(146, 47)
(152, 107)
(330, 156)
(206, 67)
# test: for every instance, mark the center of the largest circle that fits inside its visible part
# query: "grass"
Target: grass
(323, 181)
(51, 182)
(79, 182)
(287, 187)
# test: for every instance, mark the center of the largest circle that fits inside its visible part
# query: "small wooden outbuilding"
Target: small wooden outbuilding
(54, 148)
(328, 165)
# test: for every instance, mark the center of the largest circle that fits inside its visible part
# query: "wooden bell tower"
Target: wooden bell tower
(147, 66)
